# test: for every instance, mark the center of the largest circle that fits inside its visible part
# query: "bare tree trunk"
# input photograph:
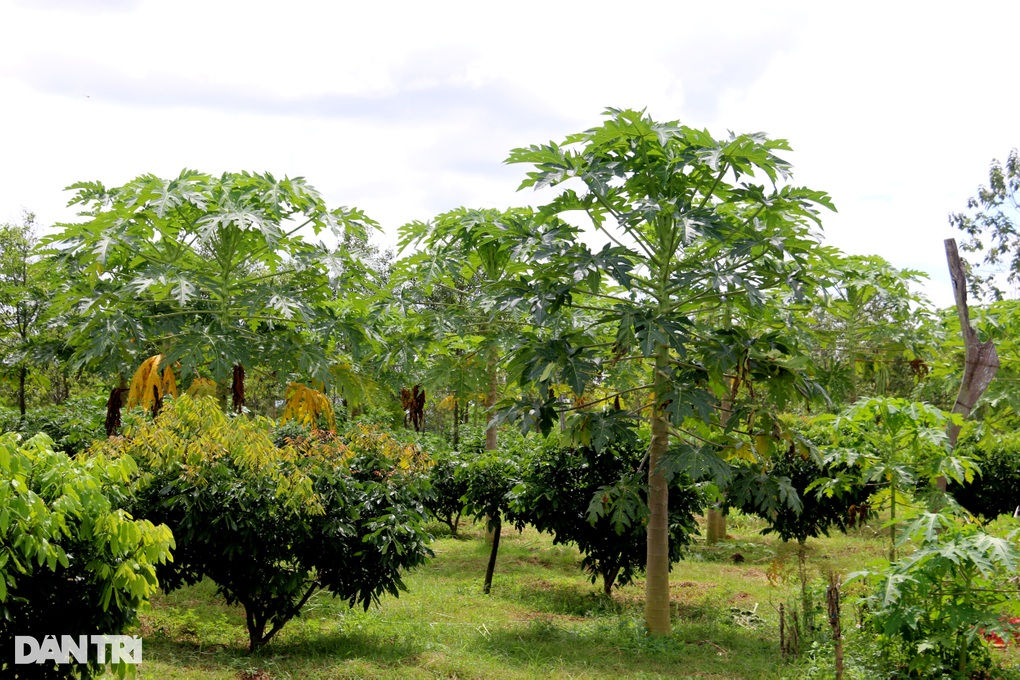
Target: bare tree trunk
(490, 430)
(805, 599)
(832, 593)
(237, 389)
(716, 519)
(491, 444)
(657, 567)
(495, 527)
(22, 374)
(981, 362)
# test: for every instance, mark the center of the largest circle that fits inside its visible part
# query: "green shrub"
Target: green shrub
(72, 562)
(10, 420)
(598, 500)
(488, 479)
(72, 426)
(759, 488)
(997, 490)
(290, 433)
(269, 525)
(935, 602)
(448, 481)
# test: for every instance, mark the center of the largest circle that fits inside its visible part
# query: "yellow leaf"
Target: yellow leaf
(305, 406)
(147, 383)
(202, 387)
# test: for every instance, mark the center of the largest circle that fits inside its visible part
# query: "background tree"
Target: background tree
(211, 272)
(991, 222)
(689, 231)
(462, 255)
(871, 334)
(25, 291)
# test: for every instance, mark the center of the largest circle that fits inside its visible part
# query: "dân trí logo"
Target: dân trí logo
(114, 649)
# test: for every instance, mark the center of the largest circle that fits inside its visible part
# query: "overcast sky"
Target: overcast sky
(408, 109)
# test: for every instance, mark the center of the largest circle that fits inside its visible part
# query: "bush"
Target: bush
(72, 562)
(269, 525)
(598, 500)
(72, 426)
(780, 488)
(291, 433)
(488, 480)
(448, 480)
(997, 491)
(936, 602)
(760, 488)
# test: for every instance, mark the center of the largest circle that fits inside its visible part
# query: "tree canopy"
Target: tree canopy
(211, 272)
(696, 248)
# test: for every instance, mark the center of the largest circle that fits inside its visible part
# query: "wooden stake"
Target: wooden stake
(832, 595)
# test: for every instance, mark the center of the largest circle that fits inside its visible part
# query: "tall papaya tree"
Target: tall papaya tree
(215, 273)
(463, 256)
(691, 232)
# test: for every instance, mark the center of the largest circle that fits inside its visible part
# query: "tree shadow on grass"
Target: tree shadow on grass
(288, 652)
(619, 647)
(563, 599)
(349, 645)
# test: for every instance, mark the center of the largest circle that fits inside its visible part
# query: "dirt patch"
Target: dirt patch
(548, 618)
(690, 586)
(254, 675)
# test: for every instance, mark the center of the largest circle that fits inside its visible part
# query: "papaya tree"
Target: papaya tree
(872, 334)
(214, 273)
(462, 254)
(895, 446)
(689, 231)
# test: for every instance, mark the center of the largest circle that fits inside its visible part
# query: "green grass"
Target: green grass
(543, 618)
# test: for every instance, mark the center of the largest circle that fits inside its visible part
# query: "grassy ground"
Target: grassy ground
(543, 618)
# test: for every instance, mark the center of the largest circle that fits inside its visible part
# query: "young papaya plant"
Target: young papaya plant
(893, 444)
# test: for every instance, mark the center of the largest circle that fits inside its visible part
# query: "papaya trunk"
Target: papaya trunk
(657, 568)
(892, 524)
(716, 526)
(456, 423)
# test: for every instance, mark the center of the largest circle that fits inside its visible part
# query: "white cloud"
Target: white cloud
(406, 109)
